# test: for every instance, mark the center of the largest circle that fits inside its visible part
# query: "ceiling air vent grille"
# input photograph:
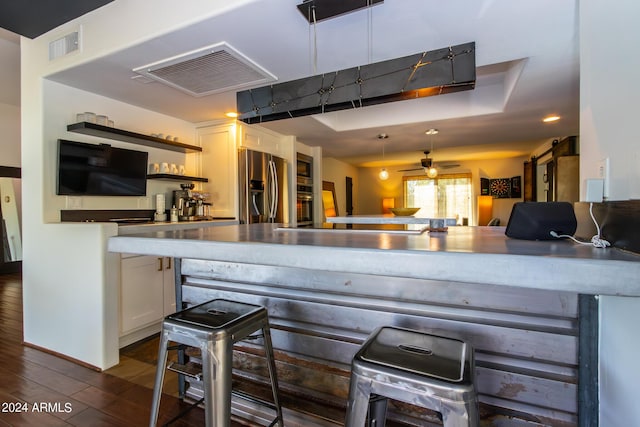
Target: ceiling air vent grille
(213, 69)
(64, 46)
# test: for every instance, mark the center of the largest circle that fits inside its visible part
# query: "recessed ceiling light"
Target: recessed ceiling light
(550, 119)
(231, 114)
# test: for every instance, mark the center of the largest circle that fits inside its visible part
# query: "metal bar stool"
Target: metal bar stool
(413, 367)
(213, 327)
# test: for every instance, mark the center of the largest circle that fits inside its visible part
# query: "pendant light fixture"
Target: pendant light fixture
(383, 174)
(431, 171)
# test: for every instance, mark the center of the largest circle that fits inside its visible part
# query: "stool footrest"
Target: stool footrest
(254, 399)
(190, 369)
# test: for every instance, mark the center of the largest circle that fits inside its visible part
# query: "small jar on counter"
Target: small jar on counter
(174, 214)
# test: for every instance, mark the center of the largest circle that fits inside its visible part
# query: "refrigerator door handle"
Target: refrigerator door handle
(268, 193)
(273, 191)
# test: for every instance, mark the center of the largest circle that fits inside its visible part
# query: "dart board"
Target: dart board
(500, 188)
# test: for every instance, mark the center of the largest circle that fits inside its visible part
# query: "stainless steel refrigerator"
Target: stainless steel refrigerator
(261, 178)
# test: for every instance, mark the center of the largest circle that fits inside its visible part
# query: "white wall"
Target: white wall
(10, 131)
(608, 128)
(71, 283)
(497, 168)
(69, 280)
(63, 102)
(336, 171)
(609, 94)
(372, 190)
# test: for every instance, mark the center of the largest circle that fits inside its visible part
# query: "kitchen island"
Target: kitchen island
(386, 219)
(523, 305)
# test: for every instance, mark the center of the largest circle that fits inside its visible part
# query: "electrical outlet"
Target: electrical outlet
(604, 170)
(595, 190)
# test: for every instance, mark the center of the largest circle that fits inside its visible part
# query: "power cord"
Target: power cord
(596, 241)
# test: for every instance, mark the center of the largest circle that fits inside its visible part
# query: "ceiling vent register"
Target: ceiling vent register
(212, 69)
(64, 46)
(436, 72)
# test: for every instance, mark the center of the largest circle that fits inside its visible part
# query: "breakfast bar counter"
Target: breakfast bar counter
(387, 219)
(527, 307)
(462, 254)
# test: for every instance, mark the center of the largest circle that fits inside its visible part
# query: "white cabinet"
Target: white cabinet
(260, 139)
(219, 157)
(220, 166)
(147, 292)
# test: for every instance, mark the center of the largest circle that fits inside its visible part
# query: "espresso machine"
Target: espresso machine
(184, 201)
(191, 205)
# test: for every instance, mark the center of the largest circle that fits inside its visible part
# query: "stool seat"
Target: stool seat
(213, 327)
(443, 358)
(426, 370)
(215, 314)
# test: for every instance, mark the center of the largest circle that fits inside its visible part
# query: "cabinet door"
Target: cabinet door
(220, 167)
(141, 292)
(259, 139)
(169, 286)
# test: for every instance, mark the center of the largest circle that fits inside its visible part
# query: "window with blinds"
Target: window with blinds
(446, 196)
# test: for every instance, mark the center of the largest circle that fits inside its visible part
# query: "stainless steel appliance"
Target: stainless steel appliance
(304, 167)
(304, 201)
(185, 203)
(262, 178)
(191, 205)
(304, 193)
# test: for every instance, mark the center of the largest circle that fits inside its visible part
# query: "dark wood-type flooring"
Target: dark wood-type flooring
(40, 389)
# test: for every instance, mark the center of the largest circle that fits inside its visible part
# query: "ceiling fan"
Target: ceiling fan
(427, 164)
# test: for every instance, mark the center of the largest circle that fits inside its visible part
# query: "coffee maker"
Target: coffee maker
(191, 205)
(184, 201)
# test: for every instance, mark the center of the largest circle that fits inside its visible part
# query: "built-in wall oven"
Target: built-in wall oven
(304, 195)
(305, 166)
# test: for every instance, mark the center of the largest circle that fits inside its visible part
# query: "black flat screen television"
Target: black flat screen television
(100, 170)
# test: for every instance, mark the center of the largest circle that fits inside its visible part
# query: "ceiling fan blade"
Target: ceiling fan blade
(410, 170)
(448, 165)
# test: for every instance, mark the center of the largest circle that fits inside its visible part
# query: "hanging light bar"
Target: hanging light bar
(436, 72)
(325, 9)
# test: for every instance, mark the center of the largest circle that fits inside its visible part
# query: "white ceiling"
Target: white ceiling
(526, 54)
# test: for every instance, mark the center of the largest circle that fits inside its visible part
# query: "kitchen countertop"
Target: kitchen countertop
(385, 219)
(464, 254)
(168, 226)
